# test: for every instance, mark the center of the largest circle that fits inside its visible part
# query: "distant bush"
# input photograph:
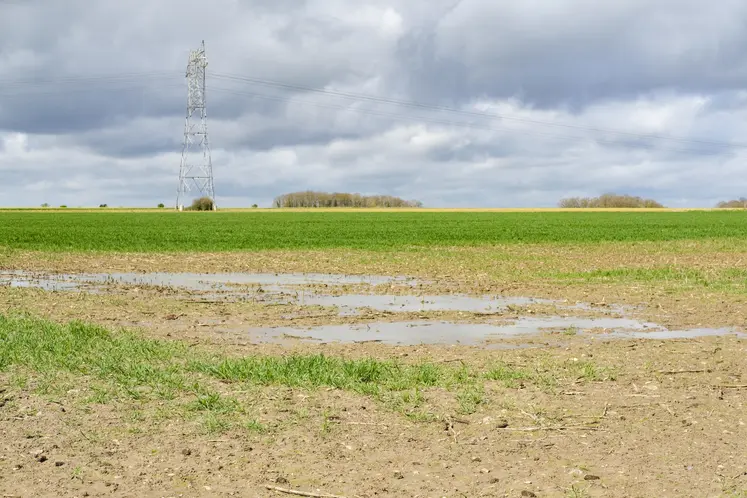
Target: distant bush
(310, 199)
(63, 206)
(161, 205)
(254, 206)
(202, 204)
(102, 205)
(609, 201)
(45, 205)
(736, 203)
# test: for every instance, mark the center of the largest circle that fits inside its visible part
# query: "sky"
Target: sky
(472, 103)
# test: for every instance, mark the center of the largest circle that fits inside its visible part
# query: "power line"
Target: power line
(440, 121)
(83, 79)
(120, 82)
(108, 88)
(434, 107)
(23, 86)
(376, 113)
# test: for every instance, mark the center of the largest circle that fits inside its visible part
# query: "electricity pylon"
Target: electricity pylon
(196, 166)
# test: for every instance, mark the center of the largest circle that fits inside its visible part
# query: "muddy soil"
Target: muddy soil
(671, 421)
(512, 271)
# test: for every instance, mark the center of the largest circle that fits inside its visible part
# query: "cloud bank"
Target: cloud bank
(562, 98)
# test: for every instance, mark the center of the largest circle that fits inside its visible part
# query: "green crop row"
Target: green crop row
(216, 231)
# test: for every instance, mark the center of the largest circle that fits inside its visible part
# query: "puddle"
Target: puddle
(192, 281)
(677, 334)
(402, 333)
(45, 284)
(348, 303)
(276, 289)
(437, 332)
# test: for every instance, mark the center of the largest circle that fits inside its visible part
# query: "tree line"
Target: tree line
(735, 203)
(609, 201)
(312, 199)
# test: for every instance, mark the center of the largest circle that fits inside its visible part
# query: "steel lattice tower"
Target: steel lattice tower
(196, 166)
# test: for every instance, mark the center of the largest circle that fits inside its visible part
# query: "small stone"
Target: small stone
(591, 477)
(59, 464)
(41, 458)
(282, 480)
(502, 423)
(398, 475)
(494, 480)
(476, 459)
(186, 452)
(528, 494)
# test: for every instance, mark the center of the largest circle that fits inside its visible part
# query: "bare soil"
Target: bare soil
(646, 433)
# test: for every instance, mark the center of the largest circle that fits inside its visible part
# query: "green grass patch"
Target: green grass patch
(226, 231)
(196, 384)
(365, 376)
(147, 368)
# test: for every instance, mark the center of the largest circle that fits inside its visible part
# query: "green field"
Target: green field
(227, 231)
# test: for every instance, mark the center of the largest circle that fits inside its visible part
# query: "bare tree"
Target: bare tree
(609, 201)
(311, 199)
(735, 203)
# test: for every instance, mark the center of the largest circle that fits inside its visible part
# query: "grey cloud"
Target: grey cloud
(247, 38)
(666, 68)
(270, 138)
(135, 149)
(78, 109)
(574, 52)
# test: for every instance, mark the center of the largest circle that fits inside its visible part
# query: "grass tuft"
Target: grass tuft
(364, 376)
(470, 399)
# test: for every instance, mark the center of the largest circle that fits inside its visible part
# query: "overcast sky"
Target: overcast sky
(563, 98)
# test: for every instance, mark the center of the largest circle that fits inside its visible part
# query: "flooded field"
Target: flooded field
(490, 319)
(242, 374)
(187, 281)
